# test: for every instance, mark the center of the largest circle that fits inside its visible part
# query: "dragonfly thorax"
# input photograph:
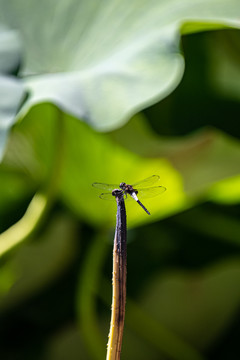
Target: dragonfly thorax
(127, 188)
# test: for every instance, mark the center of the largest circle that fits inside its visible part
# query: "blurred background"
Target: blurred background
(183, 293)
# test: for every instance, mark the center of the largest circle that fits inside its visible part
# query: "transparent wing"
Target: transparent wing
(109, 196)
(103, 186)
(147, 182)
(150, 192)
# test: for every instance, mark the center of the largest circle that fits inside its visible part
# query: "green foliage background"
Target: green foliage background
(91, 89)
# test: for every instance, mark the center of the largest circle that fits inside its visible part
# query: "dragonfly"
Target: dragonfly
(142, 189)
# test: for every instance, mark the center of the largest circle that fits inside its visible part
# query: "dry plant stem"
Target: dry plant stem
(118, 282)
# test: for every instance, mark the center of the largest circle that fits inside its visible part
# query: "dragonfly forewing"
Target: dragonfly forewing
(107, 187)
(151, 180)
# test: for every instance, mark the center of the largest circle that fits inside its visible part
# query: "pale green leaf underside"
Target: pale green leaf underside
(104, 60)
(11, 94)
(11, 89)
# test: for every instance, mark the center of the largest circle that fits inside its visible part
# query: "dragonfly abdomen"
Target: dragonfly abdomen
(139, 202)
(134, 196)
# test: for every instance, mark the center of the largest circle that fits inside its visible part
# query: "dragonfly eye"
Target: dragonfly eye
(122, 185)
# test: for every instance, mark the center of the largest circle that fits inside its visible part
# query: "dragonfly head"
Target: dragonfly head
(123, 185)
